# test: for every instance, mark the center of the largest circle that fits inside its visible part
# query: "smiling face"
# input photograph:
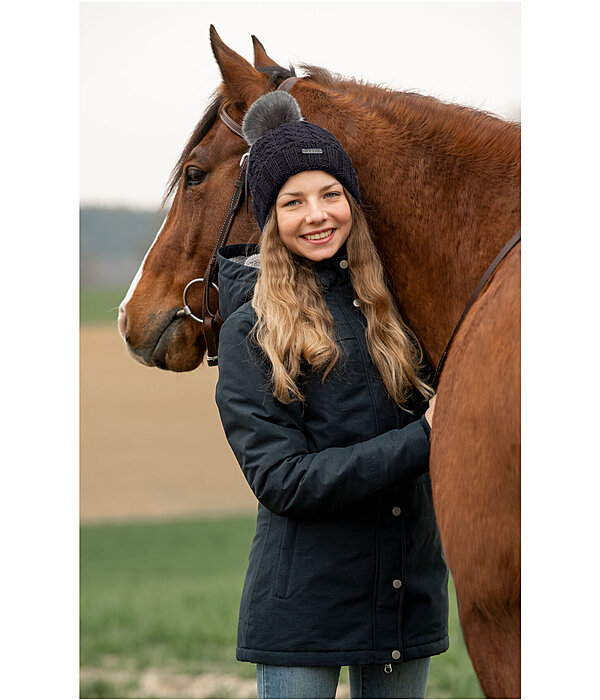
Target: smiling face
(313, 215)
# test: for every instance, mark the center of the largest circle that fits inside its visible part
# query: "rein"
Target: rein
(486, 275)
(211, 322)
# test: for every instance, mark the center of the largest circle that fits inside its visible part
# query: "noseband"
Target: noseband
(211, 322)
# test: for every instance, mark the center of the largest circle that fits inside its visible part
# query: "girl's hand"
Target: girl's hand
(430, 410)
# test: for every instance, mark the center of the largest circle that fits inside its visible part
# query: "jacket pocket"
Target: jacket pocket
(286, 556)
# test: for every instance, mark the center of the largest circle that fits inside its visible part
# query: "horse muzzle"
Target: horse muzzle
(168, 340)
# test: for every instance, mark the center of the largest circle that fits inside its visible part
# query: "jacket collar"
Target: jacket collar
(237, 279)
(333, 271)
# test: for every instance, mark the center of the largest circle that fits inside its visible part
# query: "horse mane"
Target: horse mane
(455, 129)
(374, 93)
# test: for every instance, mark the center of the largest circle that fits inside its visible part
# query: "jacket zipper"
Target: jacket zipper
(388, 668)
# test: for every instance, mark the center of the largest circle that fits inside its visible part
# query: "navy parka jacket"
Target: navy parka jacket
(346, 565)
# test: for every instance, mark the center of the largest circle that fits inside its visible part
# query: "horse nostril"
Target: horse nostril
(122, 322)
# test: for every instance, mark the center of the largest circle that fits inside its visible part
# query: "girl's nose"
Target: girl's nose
(315, 213)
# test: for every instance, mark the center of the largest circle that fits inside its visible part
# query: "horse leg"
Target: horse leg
(493, 640)
(475, 473)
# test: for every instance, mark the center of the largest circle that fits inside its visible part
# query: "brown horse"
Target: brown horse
(440, 185)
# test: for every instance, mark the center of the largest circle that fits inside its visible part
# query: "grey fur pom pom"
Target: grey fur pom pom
(269, 112)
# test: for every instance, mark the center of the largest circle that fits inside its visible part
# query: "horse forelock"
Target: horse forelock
(277, 74)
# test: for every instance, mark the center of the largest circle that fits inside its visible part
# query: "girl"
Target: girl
(321, 401)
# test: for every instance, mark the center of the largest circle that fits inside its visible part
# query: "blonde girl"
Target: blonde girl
(323, 403)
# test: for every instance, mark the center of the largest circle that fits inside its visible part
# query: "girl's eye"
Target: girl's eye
(332, 195)
(292, 201)
(194, 176)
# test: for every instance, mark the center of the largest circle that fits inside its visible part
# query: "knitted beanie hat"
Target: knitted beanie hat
(283, 144)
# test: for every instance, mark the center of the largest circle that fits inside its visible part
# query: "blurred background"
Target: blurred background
(165, 527)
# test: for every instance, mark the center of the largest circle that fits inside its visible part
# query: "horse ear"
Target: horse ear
(241, 81)
(261, 58)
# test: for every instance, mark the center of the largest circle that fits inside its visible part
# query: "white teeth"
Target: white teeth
(317, 236)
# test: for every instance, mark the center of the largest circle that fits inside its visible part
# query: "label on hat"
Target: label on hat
(312, 150)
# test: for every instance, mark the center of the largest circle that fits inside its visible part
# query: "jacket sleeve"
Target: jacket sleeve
(268, 440)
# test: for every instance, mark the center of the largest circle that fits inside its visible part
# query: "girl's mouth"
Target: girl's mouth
(320, 237)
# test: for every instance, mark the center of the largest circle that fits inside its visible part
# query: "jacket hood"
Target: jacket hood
(238, 272)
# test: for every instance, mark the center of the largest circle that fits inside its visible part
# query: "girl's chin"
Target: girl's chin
(316, 253)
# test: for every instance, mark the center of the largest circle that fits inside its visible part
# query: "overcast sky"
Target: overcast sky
(147, 70)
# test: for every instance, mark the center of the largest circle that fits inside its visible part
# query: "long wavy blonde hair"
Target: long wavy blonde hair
(295, 325)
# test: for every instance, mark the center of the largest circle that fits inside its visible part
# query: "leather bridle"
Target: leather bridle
(211, 321)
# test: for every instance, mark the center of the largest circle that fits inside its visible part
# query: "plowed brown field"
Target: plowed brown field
(152, 445)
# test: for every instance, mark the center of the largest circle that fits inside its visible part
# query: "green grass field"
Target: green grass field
(165, 595)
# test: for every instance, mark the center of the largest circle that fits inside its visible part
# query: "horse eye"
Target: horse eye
(194, 176)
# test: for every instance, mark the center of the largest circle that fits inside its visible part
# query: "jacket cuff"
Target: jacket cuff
(426, 427)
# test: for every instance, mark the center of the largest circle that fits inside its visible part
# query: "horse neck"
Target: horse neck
(440, 185)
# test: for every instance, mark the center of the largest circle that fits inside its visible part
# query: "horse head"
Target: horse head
(155, 333)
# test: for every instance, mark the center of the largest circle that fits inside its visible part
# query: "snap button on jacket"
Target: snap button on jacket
(346, 566)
